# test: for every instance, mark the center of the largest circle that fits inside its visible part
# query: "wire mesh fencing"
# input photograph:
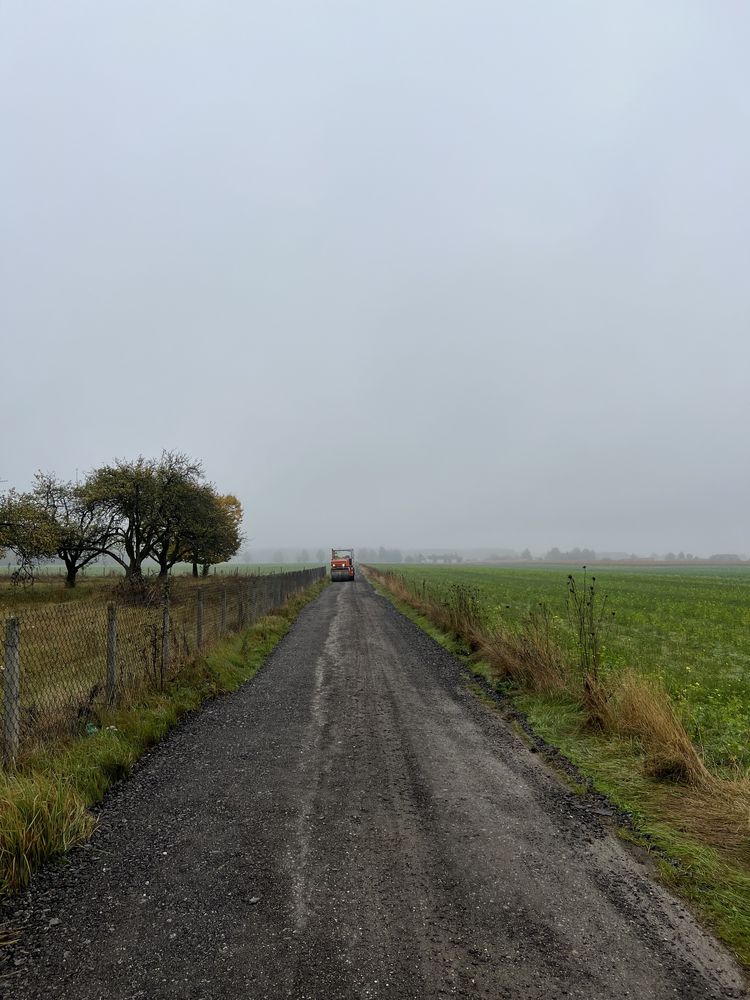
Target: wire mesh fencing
(62, 664)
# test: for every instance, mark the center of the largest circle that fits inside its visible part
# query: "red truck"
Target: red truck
(342, 564)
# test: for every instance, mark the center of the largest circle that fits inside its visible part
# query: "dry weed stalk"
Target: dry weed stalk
(591, 620)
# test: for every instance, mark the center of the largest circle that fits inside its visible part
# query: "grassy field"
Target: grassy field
(96, 571)
(96, 583)
(688, 626)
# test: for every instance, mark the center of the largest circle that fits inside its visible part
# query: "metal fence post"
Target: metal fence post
(199, 619)
(240, 609)
(12, 691)
(111, 652)
(165, 635)
(223, 618)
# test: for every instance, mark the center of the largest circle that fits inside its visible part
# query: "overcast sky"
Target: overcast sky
(402, 273)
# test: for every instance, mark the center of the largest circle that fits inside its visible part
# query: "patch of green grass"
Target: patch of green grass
(480, 692)
(44, 804)
(483, 669)
(52, 591)
(39, 818)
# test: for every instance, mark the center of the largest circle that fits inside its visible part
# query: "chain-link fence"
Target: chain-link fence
(61, 664)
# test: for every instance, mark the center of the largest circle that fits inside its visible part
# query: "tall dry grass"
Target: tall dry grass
(640, 707)
(530, 656)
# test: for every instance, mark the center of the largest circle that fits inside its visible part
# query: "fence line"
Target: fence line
(62, 663)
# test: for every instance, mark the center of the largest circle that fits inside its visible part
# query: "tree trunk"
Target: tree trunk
(70, 576)
(206, 568)
(195, 567)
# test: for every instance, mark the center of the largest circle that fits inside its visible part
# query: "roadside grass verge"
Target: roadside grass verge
(45, 803)
(686, 626)
(625, 735)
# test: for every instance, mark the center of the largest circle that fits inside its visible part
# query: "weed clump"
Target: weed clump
(641, 708)
(591, 620)
(39, 819)
(531, 656)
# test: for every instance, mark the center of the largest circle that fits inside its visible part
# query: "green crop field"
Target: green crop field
(690, 626)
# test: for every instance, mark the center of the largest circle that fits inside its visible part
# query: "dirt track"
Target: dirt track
(353, 824)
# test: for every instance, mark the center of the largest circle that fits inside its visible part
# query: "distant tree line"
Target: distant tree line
(588, 555)
(385, 555)
(434, 557)
(148, 509)
(304, 557)
(574, 555)
(381, 555)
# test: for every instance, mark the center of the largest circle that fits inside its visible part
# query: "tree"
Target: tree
(215, 534)
(127, 493)
(27, 530)
(181, 503)
(131, 511)
(82, 529)
(152, 507)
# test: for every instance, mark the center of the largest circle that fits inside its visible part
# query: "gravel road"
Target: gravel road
(353, 823)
